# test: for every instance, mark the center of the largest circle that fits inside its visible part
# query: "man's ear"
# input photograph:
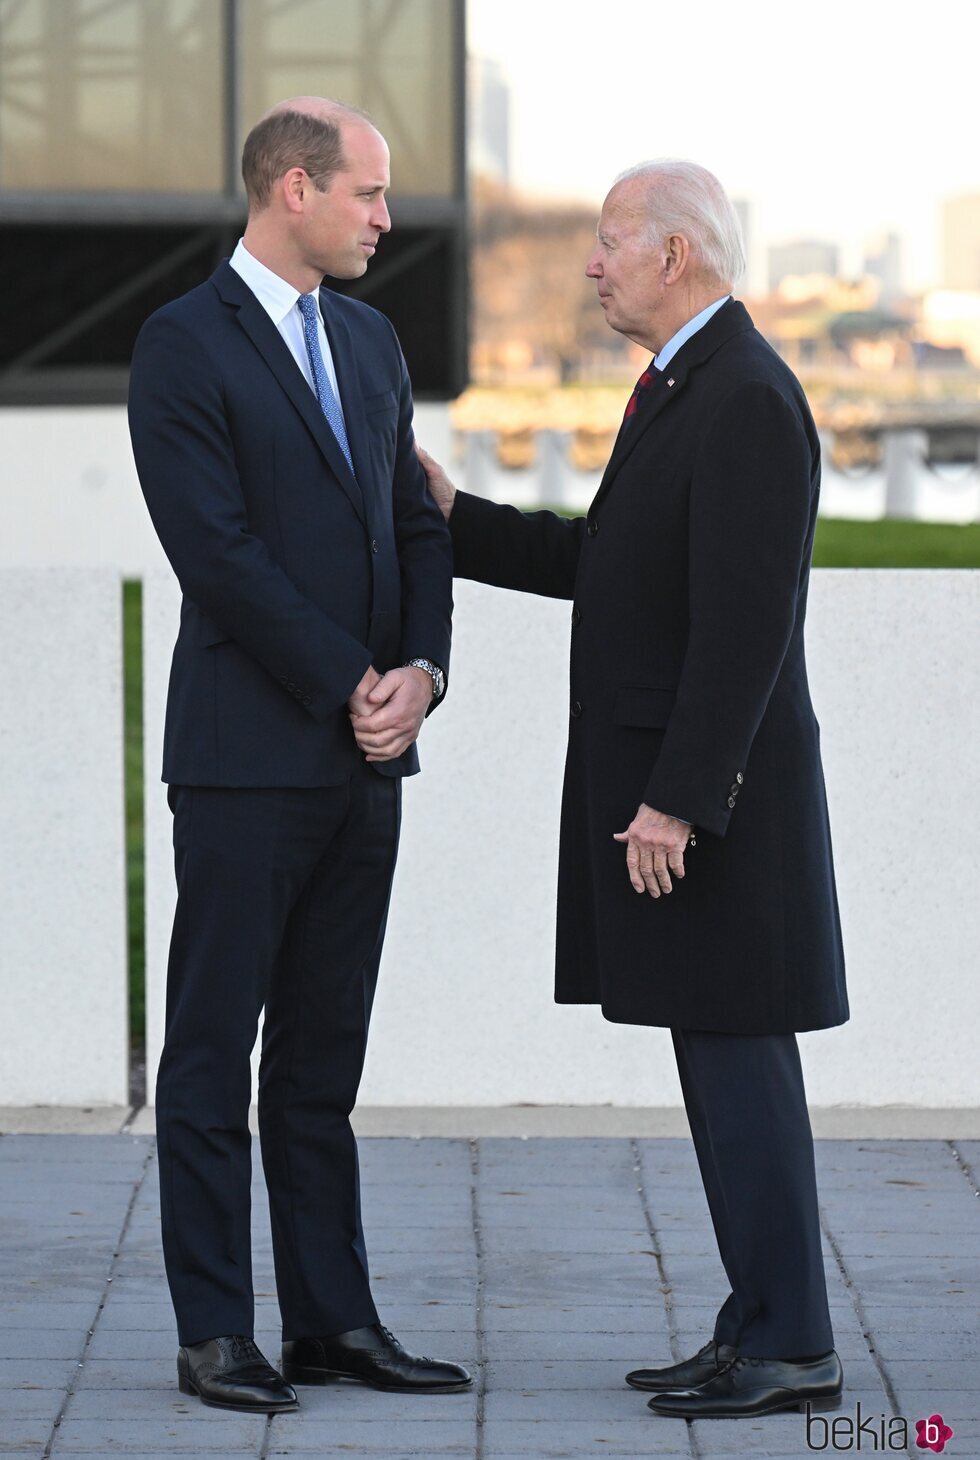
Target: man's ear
(293, 184)
(677, 252)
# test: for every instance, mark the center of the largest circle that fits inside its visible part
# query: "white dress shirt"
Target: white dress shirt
(278, 299)
(663, 359)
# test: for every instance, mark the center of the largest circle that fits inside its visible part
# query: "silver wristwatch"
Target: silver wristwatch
(438, 678)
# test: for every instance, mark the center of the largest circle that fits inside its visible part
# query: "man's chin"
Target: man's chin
(353, 269)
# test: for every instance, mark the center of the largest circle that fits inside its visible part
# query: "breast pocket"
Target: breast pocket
(381, 420)
(385, 400)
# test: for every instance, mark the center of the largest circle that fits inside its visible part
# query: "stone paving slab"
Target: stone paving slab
(530, 1260)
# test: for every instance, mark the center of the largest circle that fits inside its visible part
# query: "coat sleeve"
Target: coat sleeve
(425, 554)
(750, 511)
(534, 552)
(185, 459)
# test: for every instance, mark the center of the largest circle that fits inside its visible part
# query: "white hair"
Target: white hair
(683, 197)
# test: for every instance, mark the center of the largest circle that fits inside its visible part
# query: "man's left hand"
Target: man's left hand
(655, 847)
(400, 699)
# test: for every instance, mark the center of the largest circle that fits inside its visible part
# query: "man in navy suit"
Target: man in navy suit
(272, 430)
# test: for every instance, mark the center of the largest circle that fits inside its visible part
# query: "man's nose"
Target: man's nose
(593, 269)
(382, 218)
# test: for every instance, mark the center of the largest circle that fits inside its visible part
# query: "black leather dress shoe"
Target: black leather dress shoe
(690, 1374)
(370, 1356)
(231, 1373)
(758, 1386)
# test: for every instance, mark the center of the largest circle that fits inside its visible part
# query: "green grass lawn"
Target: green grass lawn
(839, 544)
(893, 544)
(133, 741)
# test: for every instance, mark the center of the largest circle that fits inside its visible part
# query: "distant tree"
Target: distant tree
(529, 281)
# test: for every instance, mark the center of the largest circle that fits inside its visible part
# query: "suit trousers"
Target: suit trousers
(746, 1105)
(282, 900)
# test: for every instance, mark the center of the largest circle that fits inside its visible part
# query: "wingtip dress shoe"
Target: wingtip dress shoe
(750, 1386)
(690, 1374)
(232, 1373)
(369, 1356)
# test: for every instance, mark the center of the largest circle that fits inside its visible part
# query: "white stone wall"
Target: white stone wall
(464, 1013)
(62, 887)
(896, 681)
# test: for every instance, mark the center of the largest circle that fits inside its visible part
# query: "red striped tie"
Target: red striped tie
(642, 384)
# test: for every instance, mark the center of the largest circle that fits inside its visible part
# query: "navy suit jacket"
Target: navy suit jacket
(296, 574)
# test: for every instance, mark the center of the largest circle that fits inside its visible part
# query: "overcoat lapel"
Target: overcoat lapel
(275, 352)
(731, 319)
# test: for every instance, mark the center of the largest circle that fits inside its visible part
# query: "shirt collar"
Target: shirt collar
(273, 293)
(663, 358)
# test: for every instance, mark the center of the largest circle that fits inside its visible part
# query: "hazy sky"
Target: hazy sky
(837, 119)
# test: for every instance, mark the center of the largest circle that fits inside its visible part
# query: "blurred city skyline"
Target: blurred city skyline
(857, 124)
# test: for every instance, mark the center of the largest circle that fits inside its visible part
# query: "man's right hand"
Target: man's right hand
(441, 489)
(359, 704)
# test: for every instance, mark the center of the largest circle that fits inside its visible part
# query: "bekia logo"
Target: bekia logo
(932, 1433)
(874, 1432)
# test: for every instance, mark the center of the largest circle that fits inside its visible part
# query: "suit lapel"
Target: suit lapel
(276, 354)
(731, 319)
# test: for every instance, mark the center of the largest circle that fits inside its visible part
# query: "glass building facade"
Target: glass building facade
(121, 127)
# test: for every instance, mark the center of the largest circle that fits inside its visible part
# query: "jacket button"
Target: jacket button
(739, 777)
(576, 709)
(576, 618)
(374, 546)
(731, 800)
(307, 700)
(593, 527)
(733, 788)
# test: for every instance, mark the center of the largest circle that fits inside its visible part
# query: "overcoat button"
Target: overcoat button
(738, 777)
(593, 527)
(734, 788)
(731, 800)
(374, 546)
(576, 709)
(307, 700)
(576, 618)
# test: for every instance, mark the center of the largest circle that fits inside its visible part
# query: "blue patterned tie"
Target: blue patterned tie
(329, 403)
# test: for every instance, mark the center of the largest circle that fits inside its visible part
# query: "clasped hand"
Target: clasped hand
(655, 847)
(387, 710)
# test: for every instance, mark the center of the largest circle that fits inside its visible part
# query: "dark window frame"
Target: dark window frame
(443, 217)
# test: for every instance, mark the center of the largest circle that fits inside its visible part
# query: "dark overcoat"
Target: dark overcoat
(688, 692)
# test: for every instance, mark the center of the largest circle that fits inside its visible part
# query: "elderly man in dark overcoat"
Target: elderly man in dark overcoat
(696, 882)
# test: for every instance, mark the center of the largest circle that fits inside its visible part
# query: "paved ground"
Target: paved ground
(550, 1265)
